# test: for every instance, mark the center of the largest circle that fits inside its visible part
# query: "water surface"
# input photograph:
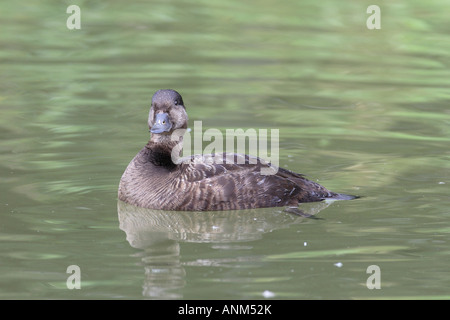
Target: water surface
(361, 111)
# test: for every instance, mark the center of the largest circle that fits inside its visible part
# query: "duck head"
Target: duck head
(167, 113)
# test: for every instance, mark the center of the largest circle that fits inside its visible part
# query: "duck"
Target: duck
(199, 182)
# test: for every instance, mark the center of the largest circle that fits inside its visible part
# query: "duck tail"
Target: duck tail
(342, 196)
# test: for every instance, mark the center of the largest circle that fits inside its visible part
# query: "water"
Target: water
(361, 111)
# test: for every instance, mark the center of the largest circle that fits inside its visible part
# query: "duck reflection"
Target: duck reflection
(159, 233)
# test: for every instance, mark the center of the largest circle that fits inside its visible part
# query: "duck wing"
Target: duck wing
(233, 181)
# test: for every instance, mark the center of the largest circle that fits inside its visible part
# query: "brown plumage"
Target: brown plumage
(206, 182)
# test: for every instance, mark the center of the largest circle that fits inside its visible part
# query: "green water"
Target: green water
(361, 111)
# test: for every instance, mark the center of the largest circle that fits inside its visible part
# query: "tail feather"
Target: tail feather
(341, 196)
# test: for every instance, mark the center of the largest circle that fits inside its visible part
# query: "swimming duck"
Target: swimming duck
(200, 182)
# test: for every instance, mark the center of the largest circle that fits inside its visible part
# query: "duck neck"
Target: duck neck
(160, 152)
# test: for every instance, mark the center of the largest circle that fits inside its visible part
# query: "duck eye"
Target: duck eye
(176, 102)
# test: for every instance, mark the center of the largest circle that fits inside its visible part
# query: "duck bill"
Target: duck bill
(162, 123)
